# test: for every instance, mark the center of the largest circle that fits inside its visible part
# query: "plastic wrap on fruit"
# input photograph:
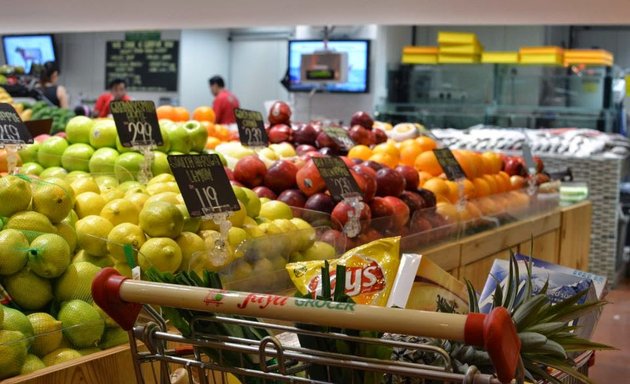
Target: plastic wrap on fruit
(370, 272)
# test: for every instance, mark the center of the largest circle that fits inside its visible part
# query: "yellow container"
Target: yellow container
(500, 57)
(458, 59)
(547, 59)
(456, 38)
(419, 55)
(467, 49)
(589, 53)
(544, 50)
(410, 49)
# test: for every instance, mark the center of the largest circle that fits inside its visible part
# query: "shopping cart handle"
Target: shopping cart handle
(105, 288)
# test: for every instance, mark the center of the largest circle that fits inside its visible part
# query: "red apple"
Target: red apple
(250, 171)
(335, 238)
(517, 182)
(515, 166)
(262, 191)
(540, 166)
(279, 133)
(428, 197)
(349, 162)
(360, 135)
(41, 138)
(321, 202)
(401, 211)
(304, 148)
(363, 119)
(305, 134)
(412, 178)
(413, 200)
(382, 214)
(328, 151)
(309, 180)
(279, 113)
(293, 197)
(362, 169)
(281, 176)
(236, 183)
(374, 165)
(369, 182)
(61, 134)
(325, 141)
(389, 182)
(419, 224)
(379, 136)
(341, 210)
(229, 173)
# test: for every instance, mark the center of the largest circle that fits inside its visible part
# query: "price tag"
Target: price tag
(449, 164)
(204, 184)
(529, 159)
(340, 137)
(136, 123)
(337, 177)
(251, 128)
(12, 129)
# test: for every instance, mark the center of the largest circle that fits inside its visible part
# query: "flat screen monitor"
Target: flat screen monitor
(26, 50)
(358, 64)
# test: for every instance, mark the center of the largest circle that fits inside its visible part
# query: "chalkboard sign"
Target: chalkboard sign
(136, 123)
(449, 164)
(149, 66)
(337, 177)
(340, 137)
(12, 129)
(251, 128)
(203, 183)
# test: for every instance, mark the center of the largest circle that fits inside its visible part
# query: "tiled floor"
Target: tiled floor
(614, 329)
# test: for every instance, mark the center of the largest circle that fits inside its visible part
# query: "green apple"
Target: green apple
(276, 210)
(120, 148)
(50, 151)
(53, 172)
(31, 169)
(198, 135)
(128, 165)
(78, 129)
(166, 146)
(103, 161)
(103, 134)
(160, 163)
(28, 154)
(283, 149)
(74, 175)
(319, 251)
(76, 157)
(179, 138)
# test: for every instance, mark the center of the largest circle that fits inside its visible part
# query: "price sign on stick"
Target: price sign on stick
(251, 128)
(340, 137)
(337, 177)
(136, 123)
(529, 159)
(204, 184)
(12, 129)
(451, 167)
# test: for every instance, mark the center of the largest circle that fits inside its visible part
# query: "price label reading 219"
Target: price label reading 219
(136, 123)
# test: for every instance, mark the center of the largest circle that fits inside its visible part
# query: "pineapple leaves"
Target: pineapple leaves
(473, 301)
(497, 300)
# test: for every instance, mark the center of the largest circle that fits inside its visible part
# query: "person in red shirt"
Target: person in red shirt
(224, 101)
(117, 92)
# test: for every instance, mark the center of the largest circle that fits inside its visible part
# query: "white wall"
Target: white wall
(203, 53)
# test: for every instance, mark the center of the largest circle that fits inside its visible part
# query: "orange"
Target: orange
(424, 176)
(389, 148)
(501, 185)
(448, 211)
(165, 112)
(488, 165)
(427, 162)
(470, 212)
(453, 191)
(494, 188)
(442, 199)
(212, 142)
(438, 186)
(469, 189)
(204, 114)
(180, 114)
(409, 153)
(481, 187)
(464, 162)
(494, 159)
(476, 163)
(362, 152)
(384, 158)
(426, 143)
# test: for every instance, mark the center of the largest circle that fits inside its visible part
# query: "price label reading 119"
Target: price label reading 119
(208, 198)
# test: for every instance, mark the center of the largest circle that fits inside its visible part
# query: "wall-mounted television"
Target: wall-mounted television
(358, 61)
(27, 50)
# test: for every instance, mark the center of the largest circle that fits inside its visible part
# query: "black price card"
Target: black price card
(449, 164)
(203, 183)
(251, 128)
(529, 159)
(136, 123)
(340, 137)
(12, 129)
(337, 177)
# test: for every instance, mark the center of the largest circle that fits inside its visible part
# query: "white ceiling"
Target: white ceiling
(109, 15)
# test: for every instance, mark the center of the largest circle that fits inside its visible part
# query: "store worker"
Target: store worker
(48, 78)
(117, 92)
(224, 101)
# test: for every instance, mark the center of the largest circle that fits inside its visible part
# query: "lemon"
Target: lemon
(120, 211)
(276, 210)
(1, 315)
(84, 184)
(47, 331)
(32, 224)
(92, 234)
(67, 231)
(167, 197)
(15, 320)
(236, 236)
(193, 252)
(129, 184)
(162, 178)
(71, 219)
(28, 290)
(76, 175)
(191, 224)
(12, 353)
(76, 282)
(109, 322)
(83, 256)
(60, 355)
(124, 234)
(31, 364)
(15, 195)
(139, 199)
(106, 182)
(169, 186)
(49, 256)
(88, 351)
(208, 225)
(113, 337)
(305, 232)
(13, 251)
(112, 194)
(161, 253)
(89, 203)
(82, 324)
(123, 268)
(160, 219)
(53, 198)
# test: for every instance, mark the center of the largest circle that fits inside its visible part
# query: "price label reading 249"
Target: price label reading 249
(251, 128)
(136, 123)
(204, 184)
(12, 129)
(337, 177)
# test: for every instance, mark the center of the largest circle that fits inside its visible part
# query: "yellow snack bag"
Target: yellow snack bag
(370, 272)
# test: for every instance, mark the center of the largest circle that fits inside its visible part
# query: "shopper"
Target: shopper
(224, 101)
(48, 78)
(117, 92)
